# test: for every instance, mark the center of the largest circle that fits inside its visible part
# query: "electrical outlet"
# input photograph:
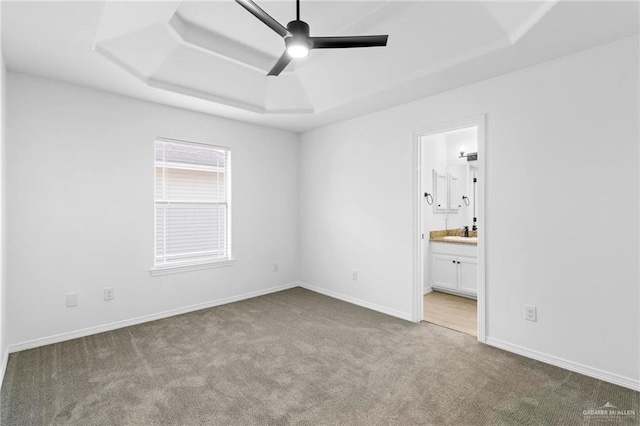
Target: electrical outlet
(530, 313)
(354, 275)
(109, 293)
(72, 300)
(276, 267)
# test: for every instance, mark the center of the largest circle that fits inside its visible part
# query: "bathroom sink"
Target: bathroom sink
(461, 239)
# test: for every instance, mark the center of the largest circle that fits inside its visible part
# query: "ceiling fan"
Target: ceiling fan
(297, 41)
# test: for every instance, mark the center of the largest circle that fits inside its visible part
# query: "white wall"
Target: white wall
(80, 191)
(466, 138)
(3, 281)
(562, 140)
(434, 157)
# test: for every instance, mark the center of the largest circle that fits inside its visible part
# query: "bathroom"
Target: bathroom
(450, 224)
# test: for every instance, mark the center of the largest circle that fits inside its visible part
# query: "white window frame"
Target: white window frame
(158, 270)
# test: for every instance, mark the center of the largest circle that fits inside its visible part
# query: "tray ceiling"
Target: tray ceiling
(214, 56)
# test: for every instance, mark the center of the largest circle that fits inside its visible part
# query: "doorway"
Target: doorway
(449, 285)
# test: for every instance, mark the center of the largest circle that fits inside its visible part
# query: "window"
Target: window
(192, 211)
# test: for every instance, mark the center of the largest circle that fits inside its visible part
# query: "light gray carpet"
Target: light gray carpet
(293, 357)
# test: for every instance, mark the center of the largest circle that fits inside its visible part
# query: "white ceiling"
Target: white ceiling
(213, 56)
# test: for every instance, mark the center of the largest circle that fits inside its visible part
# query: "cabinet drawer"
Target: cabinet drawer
(454, 249)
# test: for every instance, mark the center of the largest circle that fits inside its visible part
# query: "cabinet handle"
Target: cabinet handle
(453, 261)
(458, 263)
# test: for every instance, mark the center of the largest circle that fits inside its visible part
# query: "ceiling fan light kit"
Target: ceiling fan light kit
(298, 42)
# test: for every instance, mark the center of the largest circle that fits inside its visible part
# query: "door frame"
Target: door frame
(419, 240)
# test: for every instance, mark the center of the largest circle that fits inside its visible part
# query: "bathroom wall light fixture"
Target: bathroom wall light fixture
(470, 156)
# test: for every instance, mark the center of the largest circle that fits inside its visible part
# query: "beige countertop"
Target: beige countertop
(438, 236)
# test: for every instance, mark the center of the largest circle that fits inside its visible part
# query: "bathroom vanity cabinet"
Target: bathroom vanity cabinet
(454, 268)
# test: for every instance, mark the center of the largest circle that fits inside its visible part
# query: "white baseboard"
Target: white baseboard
(3, 366)
(359, 302)
(29, 344)
(567, 365)
(529, 353)
(427, 290)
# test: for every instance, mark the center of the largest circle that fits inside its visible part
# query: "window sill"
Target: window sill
(177, 269)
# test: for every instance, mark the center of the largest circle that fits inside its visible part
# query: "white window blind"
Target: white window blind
(192, 185)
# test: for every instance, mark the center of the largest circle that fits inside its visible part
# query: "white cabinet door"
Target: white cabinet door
(468, 274)
(440, 199)
(445, 271)
(455, 199)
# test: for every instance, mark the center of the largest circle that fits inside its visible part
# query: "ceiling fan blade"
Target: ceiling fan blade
(256, 11)
(349, 41)
(281, 64)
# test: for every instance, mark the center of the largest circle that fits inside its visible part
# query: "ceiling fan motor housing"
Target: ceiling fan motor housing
(298, 28)
(299, 35)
